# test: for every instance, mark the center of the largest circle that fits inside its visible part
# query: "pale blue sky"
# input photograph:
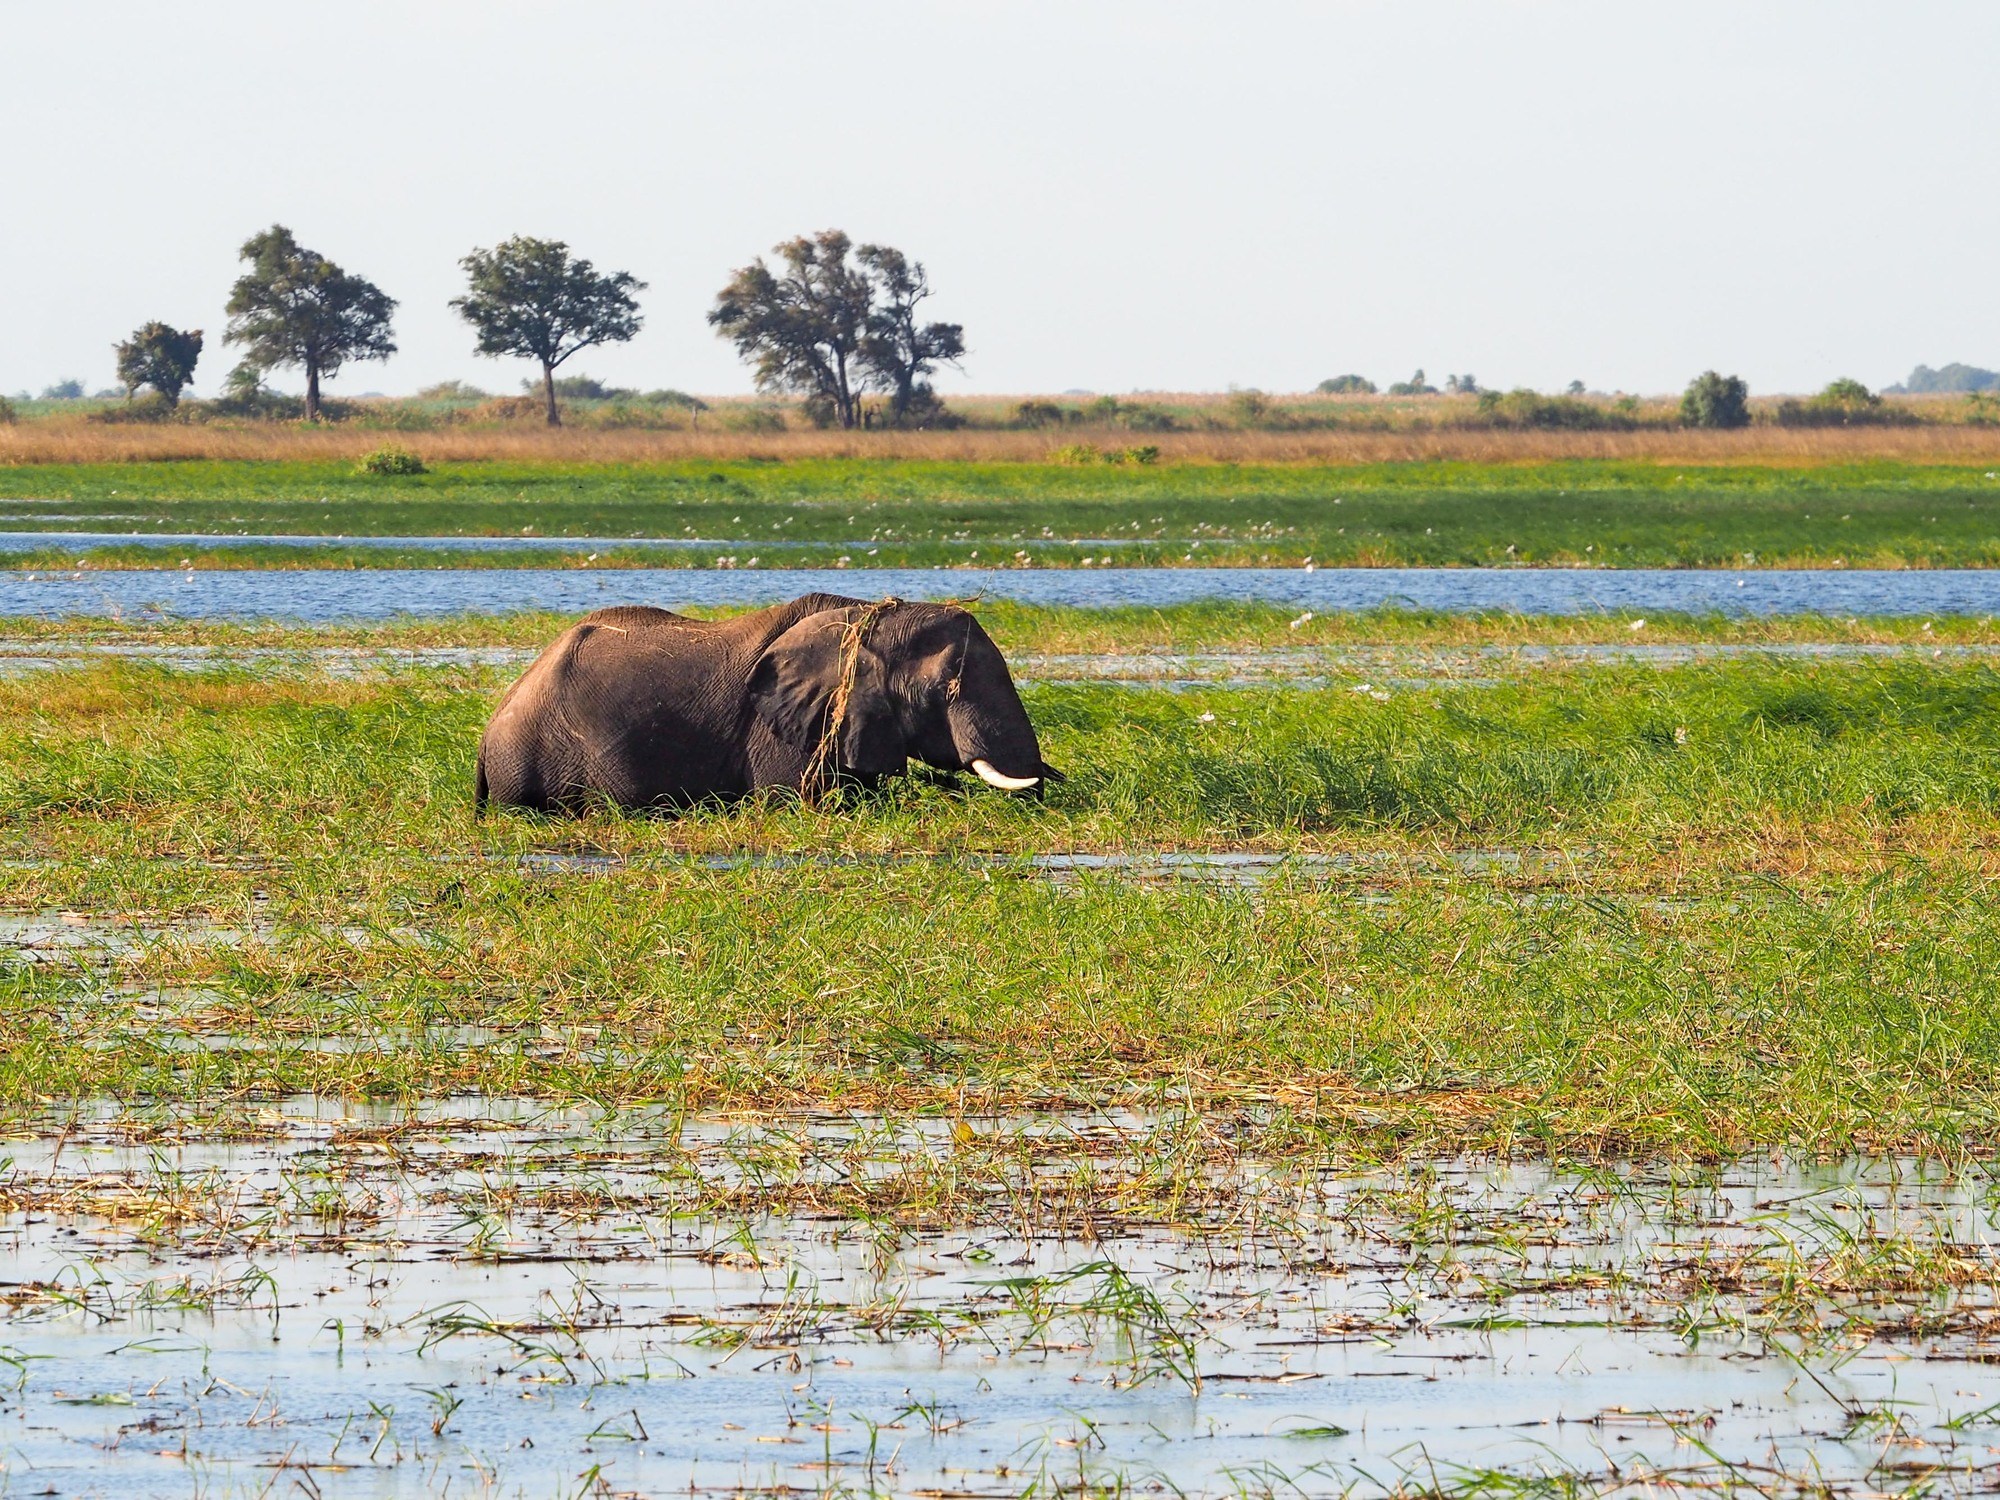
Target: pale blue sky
(1109, 195)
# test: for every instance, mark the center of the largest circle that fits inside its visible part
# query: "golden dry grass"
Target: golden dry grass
(73, 441)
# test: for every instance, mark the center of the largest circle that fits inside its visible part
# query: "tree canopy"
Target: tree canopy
(160, 356)
(1713, 400)
(1952, 378)
(832, 328)
(901, 352)
(296, 307)
(531, 299)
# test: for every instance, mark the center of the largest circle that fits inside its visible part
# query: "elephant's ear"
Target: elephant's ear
(795, 686)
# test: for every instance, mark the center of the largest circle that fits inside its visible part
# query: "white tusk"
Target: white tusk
(985, 772)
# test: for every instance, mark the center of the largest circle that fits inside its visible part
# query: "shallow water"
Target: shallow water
(53, 936)
(1360, 668)
(1225, 869)
(346, 1300)
(362, 593)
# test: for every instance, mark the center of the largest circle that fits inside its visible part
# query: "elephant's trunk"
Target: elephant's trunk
(991, 735)
(995, 741)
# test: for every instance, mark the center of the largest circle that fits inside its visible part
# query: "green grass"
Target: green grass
(1761, 909)
(883, 513)
(1212, 624)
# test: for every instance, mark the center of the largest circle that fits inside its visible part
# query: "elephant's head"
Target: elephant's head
(866, 688)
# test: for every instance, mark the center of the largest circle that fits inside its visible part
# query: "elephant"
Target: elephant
(645, 709)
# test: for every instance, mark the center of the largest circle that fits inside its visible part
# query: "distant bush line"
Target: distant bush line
(1112, 423)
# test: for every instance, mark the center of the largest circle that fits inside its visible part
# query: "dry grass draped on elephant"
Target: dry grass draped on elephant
(643, 708)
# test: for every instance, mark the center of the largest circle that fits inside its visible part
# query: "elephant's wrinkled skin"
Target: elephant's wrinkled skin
(644, 708)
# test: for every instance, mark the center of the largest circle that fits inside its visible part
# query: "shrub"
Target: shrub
(63, 390)
(820, 409)
(1346, 385)
(1526, 409)
(1981, 410)
(390, 463)
(1086, 453)
(1713, 400)
(1953, 379)
(583, 388)
(1146, 419)
(244, 394)
(1038, 414)
(154, 406)
(510, 409)
(389, 416)
(616, 414)
(752, 419)
(1847, 392)
(1844, 403)
(452, 390)
(679, 399)
(1250, 408)
(7, 412)
(924, 411)
(1414, 386)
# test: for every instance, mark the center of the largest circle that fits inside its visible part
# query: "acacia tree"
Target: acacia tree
(296, 307)
(831, 329)
(900, 352)
(160, 356)
(530, 299)
(802, 328)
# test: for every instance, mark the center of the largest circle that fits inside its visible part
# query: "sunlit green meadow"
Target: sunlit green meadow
(814, 512)
(1593, 907)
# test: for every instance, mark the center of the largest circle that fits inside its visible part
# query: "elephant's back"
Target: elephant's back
(637, 617)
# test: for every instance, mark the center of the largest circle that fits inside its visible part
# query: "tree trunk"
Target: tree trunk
(843, 403)
(549, 393)
(312, 390)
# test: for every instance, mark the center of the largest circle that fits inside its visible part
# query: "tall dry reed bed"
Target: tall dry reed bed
(73, 441)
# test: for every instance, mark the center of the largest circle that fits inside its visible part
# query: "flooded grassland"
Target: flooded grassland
(1435, 1062)
(489, 1297)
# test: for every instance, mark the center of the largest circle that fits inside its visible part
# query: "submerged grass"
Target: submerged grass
(1761, 910)
(1457, 1015)
(814, 512)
